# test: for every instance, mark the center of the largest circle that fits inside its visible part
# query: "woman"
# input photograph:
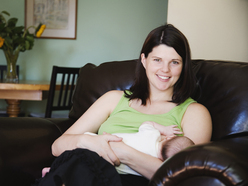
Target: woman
(161, 93)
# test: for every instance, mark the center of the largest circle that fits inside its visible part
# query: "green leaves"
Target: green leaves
(8, 43)
(5, 12)
(18, 30)
(2, 19)
(12, 22)
(16, 38)
(1, 27)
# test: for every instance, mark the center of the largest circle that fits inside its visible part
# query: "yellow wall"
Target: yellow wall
(216, 29)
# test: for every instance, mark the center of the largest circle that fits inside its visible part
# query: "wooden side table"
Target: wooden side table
(13, 93)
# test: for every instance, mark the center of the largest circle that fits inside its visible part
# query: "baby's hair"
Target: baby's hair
(174, 145)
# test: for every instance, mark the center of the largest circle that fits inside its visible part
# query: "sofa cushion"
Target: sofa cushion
(223, 89)
(25, 148)
(94, 81)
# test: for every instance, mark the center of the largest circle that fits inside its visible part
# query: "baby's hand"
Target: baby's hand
(171, 130)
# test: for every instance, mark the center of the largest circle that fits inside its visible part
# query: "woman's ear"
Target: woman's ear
(143, 60)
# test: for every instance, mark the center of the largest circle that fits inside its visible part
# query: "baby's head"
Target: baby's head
(174, 145)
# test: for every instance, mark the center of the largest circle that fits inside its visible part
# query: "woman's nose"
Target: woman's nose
(165, 67)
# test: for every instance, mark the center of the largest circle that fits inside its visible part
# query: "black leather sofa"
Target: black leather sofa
(25, 143)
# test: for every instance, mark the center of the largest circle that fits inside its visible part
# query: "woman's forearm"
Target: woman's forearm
(96, 143)
(66, 142)
(145, 164)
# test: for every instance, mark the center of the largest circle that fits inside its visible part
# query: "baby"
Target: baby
(153, 139)
(174, 145)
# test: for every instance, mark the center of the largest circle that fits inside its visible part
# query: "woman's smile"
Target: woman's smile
(163, 77)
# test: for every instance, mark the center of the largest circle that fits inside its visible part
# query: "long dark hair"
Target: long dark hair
(172, 37)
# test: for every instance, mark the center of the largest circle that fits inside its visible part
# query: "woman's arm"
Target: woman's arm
(143, 163)
(91, 121)
(197, 123)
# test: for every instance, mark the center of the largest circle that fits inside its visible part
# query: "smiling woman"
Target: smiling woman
(170, 38)
(159, 94)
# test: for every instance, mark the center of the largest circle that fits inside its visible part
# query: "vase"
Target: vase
(11, 59)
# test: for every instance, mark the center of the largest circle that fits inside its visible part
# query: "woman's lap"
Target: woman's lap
(133, 180)
(84, 167)
(80, 167)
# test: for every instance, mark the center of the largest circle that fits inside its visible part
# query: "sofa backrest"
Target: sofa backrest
(93, 81)
(222, 88)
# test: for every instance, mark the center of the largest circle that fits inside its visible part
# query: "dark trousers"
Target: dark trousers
(81, 167)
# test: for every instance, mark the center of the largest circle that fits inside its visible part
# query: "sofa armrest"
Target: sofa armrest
(223, 162)
(25, 148)
(62, 123)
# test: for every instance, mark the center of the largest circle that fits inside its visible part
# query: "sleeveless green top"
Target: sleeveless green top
(125, 119)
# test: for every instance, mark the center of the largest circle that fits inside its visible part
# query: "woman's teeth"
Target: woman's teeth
(163, 77)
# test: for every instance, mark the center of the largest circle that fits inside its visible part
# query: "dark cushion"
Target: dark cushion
(223, 89)
(25, 148)
(94, 81)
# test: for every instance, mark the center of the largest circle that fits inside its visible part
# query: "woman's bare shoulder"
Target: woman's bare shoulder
(197, 110)
(197, 124)
(114, 94)
(107, 102)
(112, 98)
(196, 106)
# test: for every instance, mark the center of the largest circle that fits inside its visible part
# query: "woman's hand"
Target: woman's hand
(100, 145)
(118, 147)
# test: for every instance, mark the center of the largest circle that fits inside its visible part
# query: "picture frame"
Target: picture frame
(60, 17)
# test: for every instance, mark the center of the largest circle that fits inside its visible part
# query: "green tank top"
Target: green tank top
(125, 119)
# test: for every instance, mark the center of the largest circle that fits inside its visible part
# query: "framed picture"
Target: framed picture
(59, 16)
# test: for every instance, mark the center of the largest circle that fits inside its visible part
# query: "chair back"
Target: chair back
(68, 77)
(3, 68)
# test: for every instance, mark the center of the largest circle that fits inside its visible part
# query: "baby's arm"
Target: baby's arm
(171, 130)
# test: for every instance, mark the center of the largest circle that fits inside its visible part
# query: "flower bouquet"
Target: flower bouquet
(13, 40)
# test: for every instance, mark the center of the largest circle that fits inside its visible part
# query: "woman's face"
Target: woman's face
(163, 67)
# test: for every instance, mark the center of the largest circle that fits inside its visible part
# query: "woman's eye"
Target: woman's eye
(175, 62)
(157, 60)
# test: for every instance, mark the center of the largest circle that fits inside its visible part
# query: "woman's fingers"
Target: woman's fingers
(111, 137)
(110, 155)
(110, 159)
(100, 145)
(114, 159)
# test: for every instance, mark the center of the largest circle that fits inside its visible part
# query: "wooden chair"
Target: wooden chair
(62, 100)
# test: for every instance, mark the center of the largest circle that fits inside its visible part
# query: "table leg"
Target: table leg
(13, 108)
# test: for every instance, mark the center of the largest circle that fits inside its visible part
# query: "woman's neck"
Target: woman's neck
(160, 96)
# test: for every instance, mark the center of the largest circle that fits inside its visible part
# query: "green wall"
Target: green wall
(107, 30)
